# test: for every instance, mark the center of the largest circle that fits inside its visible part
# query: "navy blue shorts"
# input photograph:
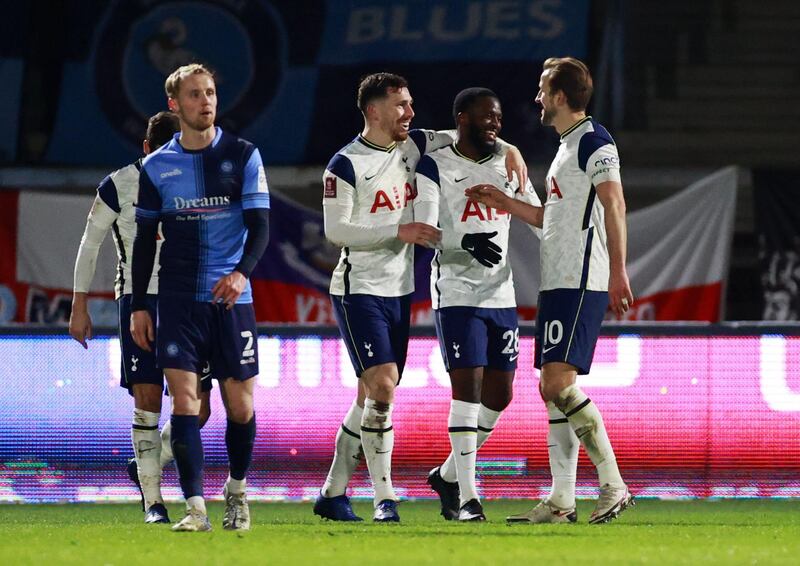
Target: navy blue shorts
(191, 334)
(472, 337)
(567, 327)
(139, 366)
(374, 329)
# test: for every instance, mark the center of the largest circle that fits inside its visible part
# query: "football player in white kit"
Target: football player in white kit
(472, 290)
(113, 209)
(583, 273)
(369, 188)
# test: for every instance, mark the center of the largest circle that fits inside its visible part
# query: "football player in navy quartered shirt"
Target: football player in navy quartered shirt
(583, 273)
(113, 210)
(209, 190)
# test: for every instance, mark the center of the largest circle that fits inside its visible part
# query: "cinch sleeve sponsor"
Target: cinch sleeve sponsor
(603, 165)
(255, 190)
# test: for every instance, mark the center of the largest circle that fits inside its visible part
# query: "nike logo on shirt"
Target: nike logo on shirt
(461, 179)
(466, 453)
(368, 178)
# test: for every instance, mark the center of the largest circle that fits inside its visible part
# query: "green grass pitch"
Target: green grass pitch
(652, 532)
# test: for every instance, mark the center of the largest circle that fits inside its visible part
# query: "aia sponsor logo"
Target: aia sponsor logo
(553, 188)
(483, 213)
(399, 198)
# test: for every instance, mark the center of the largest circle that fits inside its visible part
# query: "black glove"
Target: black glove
(482, 248)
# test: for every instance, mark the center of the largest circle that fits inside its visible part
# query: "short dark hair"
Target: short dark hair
(377, 85)
(467, 97)
(160, 129)
(572, 77)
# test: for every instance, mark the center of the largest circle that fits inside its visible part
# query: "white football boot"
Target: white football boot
(545, 512)
(237, 511)
(612, 501)
(194, 521)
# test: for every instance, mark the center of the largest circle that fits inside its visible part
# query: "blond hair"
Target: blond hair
(173, 83)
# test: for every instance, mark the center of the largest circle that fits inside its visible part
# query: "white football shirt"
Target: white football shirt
(574, 253)
(368, 191)
(457, 279)
(114, 210)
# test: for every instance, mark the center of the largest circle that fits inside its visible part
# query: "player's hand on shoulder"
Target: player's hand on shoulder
(482, 248)
(142, 329)
(80, 326)
(419, 233)
(620, 296)
(229, 288)
(515, 163)
(488, 195)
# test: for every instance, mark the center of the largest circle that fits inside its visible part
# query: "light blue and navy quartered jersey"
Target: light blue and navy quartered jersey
(199, 197)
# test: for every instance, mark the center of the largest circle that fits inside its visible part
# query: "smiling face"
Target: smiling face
(482, 122)
(546, 100)
(196, 102)
(394, 113)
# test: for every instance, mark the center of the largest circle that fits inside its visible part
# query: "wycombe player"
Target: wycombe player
(209, 190)
(472, 290)
(113, 209)
(367, 202)
(583, 272)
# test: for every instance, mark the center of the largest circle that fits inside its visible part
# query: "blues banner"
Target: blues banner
(287, 72)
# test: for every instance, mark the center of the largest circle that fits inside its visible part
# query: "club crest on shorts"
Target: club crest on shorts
(456, 347)
(172, 349)
(369, 349)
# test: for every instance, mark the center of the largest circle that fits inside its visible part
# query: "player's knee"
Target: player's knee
(147, 397)
(240, 415)
(502, 400)
(550, 391)
(382, 389)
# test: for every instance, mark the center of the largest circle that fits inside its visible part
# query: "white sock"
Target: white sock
(377, 438)
(562, 445)
(462, 426)
(346, 455)
(236, 486)
(198, 503)
(166, 444)
(586, 421)
(147, 451)
(487, 421)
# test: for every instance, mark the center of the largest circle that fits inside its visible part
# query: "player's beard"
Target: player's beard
(399, 133)
(478, 140)
(199, 123)
(548, 116)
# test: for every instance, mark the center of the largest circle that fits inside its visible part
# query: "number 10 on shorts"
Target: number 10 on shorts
(553, 333)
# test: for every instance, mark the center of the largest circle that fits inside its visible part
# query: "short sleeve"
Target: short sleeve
(255, 189)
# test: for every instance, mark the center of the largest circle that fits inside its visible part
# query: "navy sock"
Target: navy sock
(239, 439)
(188, 450)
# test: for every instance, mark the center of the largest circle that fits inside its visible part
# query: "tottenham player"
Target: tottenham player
(113, 208)
(472, 291)
(209, 190)
(368, 194)
(583, 272)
